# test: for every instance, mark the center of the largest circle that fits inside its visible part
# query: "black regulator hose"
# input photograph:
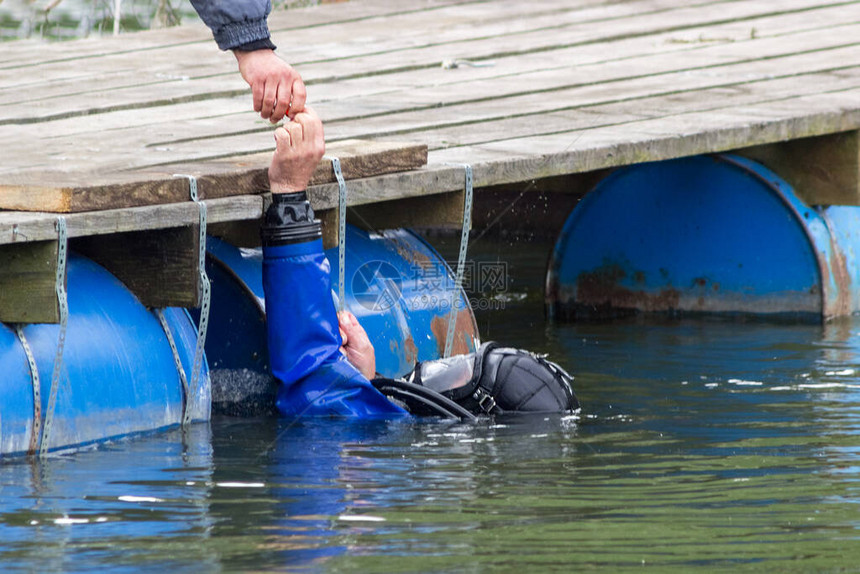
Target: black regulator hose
(422, 401)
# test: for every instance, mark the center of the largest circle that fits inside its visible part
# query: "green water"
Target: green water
(724, 446)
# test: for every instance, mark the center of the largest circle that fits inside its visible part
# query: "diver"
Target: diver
(325, 363)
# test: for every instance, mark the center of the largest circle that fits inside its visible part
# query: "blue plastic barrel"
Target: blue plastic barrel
(118, 375)
(397, 285)
(707, 234)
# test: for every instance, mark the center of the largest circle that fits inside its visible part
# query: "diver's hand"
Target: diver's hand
(356, 345)
(300, 144)
(277, 88)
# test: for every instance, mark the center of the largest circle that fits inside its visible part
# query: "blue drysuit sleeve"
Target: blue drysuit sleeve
(235, 22)
(304, 339)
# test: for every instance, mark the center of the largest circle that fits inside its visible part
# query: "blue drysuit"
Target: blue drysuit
(304, 339)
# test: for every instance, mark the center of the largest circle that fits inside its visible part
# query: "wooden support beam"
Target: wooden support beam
(60, 192)
(437, 210)
(160, 267)
(823, 170)
(536, 208)
(239, 233)
(329, 227)
(28, 283)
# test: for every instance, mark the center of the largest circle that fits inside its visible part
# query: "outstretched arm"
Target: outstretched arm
(303, 334)
(241, 26)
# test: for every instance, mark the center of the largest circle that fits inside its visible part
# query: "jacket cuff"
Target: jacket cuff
(236, 34)
(265, 44)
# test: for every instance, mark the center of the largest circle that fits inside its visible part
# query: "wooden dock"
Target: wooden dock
(521, 91)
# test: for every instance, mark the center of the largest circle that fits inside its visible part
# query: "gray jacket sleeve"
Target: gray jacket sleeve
(235, 22)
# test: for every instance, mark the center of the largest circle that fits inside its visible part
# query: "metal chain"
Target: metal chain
(341, 232)
(186, 392)
(461, 260)
(37, 390)
(206, 294)
(63, 301)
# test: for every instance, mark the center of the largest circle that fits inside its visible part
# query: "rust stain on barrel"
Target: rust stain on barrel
(601, 289)
(410, 350)
(842, 279)
(464, 332)
(409, 253)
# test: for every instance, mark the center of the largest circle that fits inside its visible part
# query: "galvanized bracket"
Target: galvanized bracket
(186, 391)
(205, 293)
(341, 232)
(461, 258)
(63, 302)
(37, 390)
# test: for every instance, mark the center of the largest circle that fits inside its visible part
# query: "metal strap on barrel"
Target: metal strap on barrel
(63, 303)
(461, 260)
(186, 392)
(37, 390)
(205, 291)
(341, 232)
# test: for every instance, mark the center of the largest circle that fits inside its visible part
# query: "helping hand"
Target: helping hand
(277, 88)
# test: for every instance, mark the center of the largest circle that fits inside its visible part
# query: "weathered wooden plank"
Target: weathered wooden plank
(156, 67)
(358, 159)
(38, 52)
(72, 193)
(338, 39)
(602, 151)
(576, 33)
(628, 112)
(662, 138)
(159, 266)
(603, 90)
(477, 113)
(565, 68)
(45, 162)
(578, 117)
(68, 193)
(50, 88)
(535, 81)
(28, 283)
(429, 56)
(564, 60)
(19, 227)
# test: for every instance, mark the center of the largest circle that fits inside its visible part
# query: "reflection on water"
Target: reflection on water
(704, 443)
(729, 446)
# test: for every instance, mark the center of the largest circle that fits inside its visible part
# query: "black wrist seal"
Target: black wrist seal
(289, 219)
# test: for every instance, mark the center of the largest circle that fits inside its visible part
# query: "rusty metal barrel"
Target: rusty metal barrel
(715, 234)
